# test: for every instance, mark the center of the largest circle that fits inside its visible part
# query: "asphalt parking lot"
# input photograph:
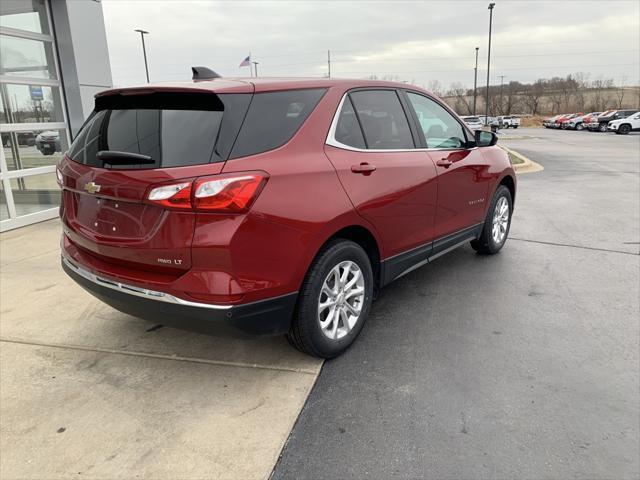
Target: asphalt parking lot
(521, 365)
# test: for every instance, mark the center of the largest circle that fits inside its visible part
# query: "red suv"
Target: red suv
(273, 206)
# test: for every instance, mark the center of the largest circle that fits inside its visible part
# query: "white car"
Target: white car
(472, 122)
(509, 121)
(625, 125)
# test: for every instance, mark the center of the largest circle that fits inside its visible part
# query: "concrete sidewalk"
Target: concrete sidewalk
(86, 390)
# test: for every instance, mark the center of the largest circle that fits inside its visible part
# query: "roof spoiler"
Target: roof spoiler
(203, 73)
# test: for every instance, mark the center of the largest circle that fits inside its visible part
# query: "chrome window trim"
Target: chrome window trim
(331, 139)
(136, 291)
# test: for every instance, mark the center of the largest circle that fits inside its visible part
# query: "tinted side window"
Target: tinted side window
(348, 130)
(383, 120)
(441, 129)
(273, 118)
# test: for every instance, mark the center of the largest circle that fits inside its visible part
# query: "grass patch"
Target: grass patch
(515, 160)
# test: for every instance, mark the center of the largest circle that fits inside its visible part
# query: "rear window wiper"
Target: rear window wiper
(112, 157)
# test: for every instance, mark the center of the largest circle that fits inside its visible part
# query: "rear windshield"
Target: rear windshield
(183, 128)
(471, 119)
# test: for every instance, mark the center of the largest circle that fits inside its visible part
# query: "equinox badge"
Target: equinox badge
(92, 187)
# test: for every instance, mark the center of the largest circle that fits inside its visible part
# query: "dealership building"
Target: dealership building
(53, 60)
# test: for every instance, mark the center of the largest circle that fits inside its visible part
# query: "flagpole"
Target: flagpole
(250, 70)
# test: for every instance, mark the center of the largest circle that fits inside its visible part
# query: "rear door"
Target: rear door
(463, 179)
(154, 138)
(390, 183)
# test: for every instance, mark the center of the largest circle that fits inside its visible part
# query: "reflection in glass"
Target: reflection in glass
(31, 103)
(26, 58)
(36, 148)
(27, 15)
(35, 193)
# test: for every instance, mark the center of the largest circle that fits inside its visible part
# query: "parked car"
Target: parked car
(564, 123)
(473, 122)
(491, 122)
(625, 125)
(599, 123)
(546, 123)
(509, 121)
(558, 121)
(578, 123)
(25, 139)
(48, 142)
(210, 206)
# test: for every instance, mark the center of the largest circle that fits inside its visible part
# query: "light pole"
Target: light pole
(486, 112)
(475, 82)
(144, 51)
(501, 84)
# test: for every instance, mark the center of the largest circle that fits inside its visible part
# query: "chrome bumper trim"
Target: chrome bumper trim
(137, 291)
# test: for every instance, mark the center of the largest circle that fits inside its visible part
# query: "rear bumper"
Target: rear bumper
(266, 317)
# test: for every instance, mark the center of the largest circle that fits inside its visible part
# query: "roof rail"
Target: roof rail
(203, 73)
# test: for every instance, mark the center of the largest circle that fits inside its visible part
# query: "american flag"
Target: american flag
(246, 62)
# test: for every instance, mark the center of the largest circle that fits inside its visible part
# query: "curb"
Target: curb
(529, 166)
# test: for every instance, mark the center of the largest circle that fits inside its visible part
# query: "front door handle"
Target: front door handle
(364, 168)
(444, 162)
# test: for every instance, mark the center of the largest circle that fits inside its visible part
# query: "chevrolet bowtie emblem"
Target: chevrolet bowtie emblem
(92, 187)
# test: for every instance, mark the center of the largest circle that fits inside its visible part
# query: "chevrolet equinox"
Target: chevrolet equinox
(273, 206)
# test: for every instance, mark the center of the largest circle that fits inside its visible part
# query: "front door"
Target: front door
(463, 179)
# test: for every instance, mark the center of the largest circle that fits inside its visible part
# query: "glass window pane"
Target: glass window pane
(441, 129)
(35, 193)
(26, 58)
(30, 15)
(3, 113)
(273, 118)
(383, 120)
(4, 210)
(35, 148)
(31, 103)
(348, 130)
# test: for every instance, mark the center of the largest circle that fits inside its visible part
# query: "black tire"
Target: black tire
(486, 244)
(624, 129)
(579, 127)
(305, 333)
(515, 126)
(602, 127)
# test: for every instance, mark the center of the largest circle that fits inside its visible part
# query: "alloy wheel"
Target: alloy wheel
(341, 300)
(500, 221)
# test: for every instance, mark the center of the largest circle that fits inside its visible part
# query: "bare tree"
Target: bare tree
(532, 95)
(600, 97)
(463, 102)
(580, 89)
(436, 87)
(620, 91)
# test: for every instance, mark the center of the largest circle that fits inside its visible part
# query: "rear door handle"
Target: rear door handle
(364, 168)
(444, 162)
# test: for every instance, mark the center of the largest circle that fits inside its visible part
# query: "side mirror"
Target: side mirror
(485, 139)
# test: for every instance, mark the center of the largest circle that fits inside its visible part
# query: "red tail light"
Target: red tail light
(234, 193)
(175, 195)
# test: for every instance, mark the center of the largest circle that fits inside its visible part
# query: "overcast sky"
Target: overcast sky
(419, 41)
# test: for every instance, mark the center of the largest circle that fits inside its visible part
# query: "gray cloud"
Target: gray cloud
(418, 41)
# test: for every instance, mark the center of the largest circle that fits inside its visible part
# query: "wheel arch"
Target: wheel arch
(365, 238)
(509, 182)
(361, 235)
